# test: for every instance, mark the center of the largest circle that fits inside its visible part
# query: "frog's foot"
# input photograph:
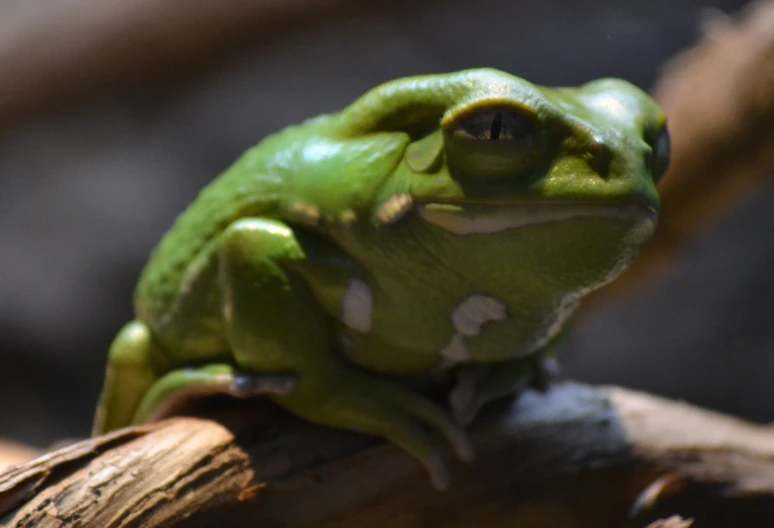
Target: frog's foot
(172, 390)
(130, 373)
(478, 385)
(366, 404)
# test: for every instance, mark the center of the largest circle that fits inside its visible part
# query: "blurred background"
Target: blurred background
(114, 114)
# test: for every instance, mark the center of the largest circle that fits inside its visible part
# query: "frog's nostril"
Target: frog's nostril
(600, 156)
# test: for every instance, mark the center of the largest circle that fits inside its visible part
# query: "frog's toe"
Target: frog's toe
(469, 395)
(464, 403)
(439, 473)
(438, 419)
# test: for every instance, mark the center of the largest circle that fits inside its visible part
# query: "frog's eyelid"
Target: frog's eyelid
(528, 109)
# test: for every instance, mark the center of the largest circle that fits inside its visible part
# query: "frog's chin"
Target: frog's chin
(479, 220)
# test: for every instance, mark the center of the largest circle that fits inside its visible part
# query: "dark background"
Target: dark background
(86, 190)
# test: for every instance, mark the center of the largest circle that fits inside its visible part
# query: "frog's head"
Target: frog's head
(572, 170)
(508, 152)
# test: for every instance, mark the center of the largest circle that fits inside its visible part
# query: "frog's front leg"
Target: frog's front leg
(480, 384)
(274, 324)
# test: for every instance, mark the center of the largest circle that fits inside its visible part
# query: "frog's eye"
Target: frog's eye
(497, 124)
(662, 148)
(491, 142)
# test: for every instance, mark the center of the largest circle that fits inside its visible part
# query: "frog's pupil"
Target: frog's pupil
(497, 125)
(502, 125)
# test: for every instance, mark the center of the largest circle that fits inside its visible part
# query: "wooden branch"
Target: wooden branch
(15, 453)
(672, 522)
(575, 457)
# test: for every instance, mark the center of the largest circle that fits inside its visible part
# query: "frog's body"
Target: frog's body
(438, 220)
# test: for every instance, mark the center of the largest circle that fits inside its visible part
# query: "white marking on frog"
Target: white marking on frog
(306, 214)
(518, 216)
(555, 322)
(347, 218)
(394, 209)
(637, 236)
(474, 311)
(357, 306)
(455, 351)
(468, 318)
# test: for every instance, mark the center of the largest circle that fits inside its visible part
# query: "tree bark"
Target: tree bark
(15, 453)
(574, 456)
(672, 522)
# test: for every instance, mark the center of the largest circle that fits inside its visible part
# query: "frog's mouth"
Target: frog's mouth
(474, 219)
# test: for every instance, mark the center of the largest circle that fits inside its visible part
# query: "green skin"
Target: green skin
(438, 222)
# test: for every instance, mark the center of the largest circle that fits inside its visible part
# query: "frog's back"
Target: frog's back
(252, 186)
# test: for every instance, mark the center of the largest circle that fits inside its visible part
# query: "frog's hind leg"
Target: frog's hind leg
(130, 373)
(177, 386)
(135, 392)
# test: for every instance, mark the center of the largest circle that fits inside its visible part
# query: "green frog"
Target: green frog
(440, 223)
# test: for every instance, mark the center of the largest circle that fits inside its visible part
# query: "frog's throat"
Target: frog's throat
(462, 220)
